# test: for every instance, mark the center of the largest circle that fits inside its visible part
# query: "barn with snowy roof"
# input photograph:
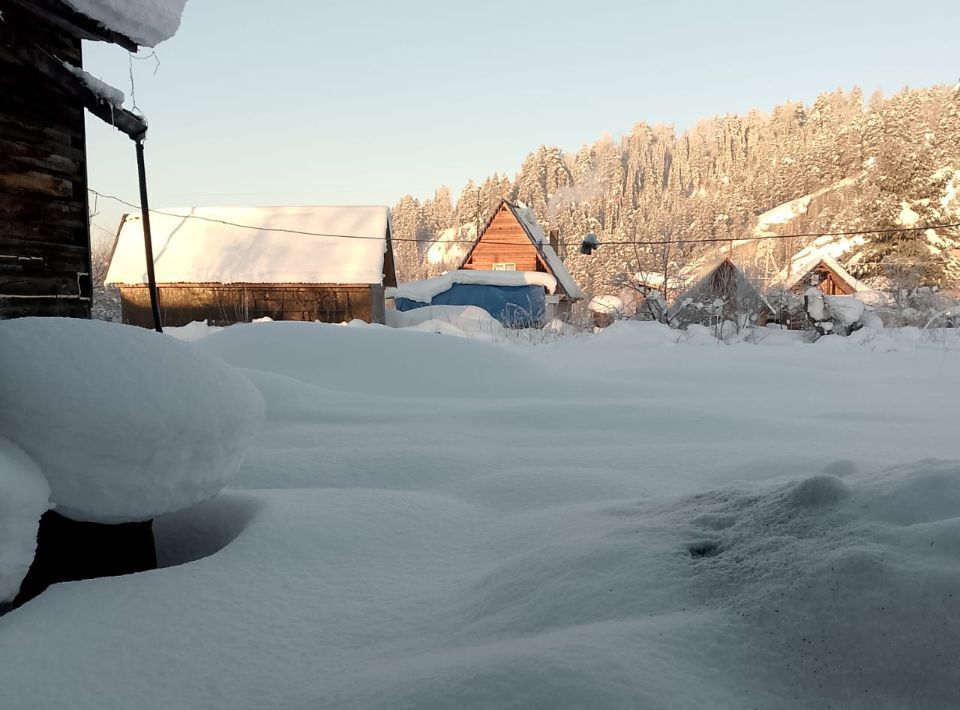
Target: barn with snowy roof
(44, 235)
(235, 264)
(513, 240)
(719, 292)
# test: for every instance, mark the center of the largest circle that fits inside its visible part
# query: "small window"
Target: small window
(504, 266)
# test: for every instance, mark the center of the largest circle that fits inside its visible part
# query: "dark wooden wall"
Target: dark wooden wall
(223, 304)
(44, 238)
(504, 241)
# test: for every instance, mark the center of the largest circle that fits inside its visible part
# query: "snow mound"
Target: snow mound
(126, 424)
(847, 586)
(454, 320)
(146, 22)
(24, 496)
(378, 360)
(606, 304)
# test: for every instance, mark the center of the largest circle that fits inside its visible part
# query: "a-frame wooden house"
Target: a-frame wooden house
(512, 240)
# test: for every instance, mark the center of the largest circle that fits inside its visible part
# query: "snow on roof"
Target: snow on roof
(210, 245)
(699, 278)
(559, 269)
(802, 266)
(106, 93)
(424, 291)
(146, 22)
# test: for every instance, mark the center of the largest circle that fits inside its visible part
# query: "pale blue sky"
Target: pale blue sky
(361, 102)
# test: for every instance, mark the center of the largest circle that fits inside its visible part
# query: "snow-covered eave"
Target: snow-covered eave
(67, 19)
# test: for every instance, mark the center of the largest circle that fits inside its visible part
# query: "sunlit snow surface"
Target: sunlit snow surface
(636, 519)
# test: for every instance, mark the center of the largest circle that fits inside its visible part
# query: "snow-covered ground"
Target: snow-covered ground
(636, 519)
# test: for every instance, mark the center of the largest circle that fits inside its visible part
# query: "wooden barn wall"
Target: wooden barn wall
(234, 303)
(504, 241)
(44, 238)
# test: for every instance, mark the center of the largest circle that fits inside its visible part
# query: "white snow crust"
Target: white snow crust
(606, 304)
(106, 93)
(636, 519)
(24, 497)
(424, 291)
(203, 245)
(125, 424)
(146, 22)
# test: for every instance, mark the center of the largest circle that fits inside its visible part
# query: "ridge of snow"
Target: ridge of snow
(24, 497)
(146, 22)
(125, 424)
(106, 93)
(605, 304)
(424, 291)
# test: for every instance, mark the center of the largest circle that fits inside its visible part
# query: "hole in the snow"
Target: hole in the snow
(699, 550)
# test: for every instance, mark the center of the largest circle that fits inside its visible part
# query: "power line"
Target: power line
(633, 242)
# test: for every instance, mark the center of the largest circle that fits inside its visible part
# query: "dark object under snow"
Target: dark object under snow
(70, 550)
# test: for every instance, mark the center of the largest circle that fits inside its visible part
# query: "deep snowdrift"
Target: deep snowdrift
(124, 423)
(627, 520)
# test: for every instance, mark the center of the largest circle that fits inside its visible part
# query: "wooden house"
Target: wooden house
(235, 264)
(512, 240)
(720, 292)
(44, 236)
(823, 272)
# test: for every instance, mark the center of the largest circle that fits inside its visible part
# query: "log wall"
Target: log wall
(44, 238)
(224, 304)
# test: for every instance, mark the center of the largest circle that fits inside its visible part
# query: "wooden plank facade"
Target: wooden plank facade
(225, 304)
(504, 242)
(44, 238)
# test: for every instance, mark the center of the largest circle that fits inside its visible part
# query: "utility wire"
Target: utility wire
(640, 242)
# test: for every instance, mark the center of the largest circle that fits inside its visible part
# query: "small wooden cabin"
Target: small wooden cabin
(44, 236)
(825, 273)
(720, 292)
(512, 240)
(235, 264)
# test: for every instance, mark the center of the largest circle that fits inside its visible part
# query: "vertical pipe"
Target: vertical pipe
(147, 240)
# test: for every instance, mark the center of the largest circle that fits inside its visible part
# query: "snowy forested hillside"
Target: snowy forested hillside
(883, 162)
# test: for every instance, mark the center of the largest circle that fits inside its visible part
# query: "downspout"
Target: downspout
(147, 239)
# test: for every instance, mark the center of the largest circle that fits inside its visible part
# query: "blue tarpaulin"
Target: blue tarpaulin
(515, 306)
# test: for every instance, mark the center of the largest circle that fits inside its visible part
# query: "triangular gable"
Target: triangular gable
(702, 282)
(827, 263)
(546, 257)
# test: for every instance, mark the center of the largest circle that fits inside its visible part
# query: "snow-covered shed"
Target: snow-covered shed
(720, 291)
(513, 240)
(44, 236)
(235, 264)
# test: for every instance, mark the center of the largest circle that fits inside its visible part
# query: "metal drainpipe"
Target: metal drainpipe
(147, 241)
